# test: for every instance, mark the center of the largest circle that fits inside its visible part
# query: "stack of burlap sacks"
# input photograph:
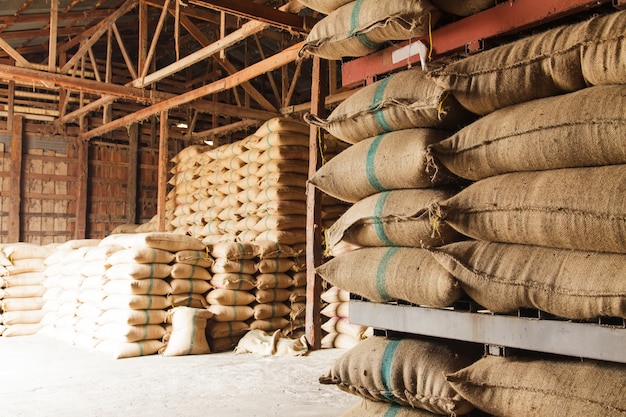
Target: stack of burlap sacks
(539, 225)
(21, 292)
(116, 295)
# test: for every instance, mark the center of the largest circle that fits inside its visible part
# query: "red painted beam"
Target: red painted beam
(502, 19)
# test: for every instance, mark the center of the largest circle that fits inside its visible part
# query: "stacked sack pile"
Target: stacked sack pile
(255, 287)
(70, 299)
(252, 189)
(21, 290)
(545, 212)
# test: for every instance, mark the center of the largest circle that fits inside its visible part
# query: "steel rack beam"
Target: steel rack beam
(584, 340)
(467, 34)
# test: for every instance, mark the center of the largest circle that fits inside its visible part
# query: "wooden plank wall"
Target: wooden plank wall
(49, 185)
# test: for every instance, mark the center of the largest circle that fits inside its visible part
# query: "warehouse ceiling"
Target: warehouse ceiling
(102, 65)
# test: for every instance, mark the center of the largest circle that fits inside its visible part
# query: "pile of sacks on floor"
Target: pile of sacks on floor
(461, 178)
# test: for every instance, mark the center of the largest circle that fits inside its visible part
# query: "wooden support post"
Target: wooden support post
(133, 162)
(162, 167)
(52, 47)
(314, 212)
(107, 110)
(142, 53)
(81, 197)
(15, 194)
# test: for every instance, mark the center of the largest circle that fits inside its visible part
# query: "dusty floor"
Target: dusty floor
(41, 377)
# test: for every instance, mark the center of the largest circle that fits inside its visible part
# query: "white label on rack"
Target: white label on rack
(412, 49)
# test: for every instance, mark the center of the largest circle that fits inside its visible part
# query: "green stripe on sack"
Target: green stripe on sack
(354, 27)
(379, 96)
(379, 225)
(151, 270)
(147, 314)
(386, 369)
(140, 346)
(193, 331)
(151, 285)
(381, 273)
(370, 168)
(393, 411)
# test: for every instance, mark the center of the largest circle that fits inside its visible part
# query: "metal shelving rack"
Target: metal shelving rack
(529, 330)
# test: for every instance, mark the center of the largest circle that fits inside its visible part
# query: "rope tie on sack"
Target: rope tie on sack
(436, 218)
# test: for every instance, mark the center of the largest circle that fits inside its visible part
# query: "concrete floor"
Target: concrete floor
(43, 377)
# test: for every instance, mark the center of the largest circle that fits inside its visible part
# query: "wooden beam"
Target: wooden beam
(153, 44)
(225, 129)
(52, 48)
(42, 78)
(259, 12)
(162, 170)
(15, 193)
(142, 52)
(314, 213)
(133, 164)
(276, 61)
(101, 28)
(81, 195)
(127, 60)
(294, 81)
(45, 17)
(246, 30)
(14, 54)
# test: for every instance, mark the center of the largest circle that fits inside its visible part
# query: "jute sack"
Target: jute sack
(268, 249)
(159, 240)
(269, 310)
(575, 208)
(229, 297)
(281, 125)
(275, 265)
(194, 257)
(275, 222)
(10, 318)
(272, 295)
(385, 274)
(186, 271)
(125, 333)
(188, 332)
(567, 131)
(141, 256)
(361, 27)
(135, 302)
(408, 372)
(404, 100)
(392, 218)
(560, 60)
(280, 139)
(119, 350)
(463, 8)
(220, 330)
(368, 408)
(234, 250)
(269, 324)
(187, 300)
(284, 237)
(339, 309)
(138, 271)
(395, 160)
(536, 387)
(339, 341)
(132, 317)
(324, 6)
(26, 329)
(273, 280)
(189, 286)
(148, 286)
(242, 266)
(233, 281)
(568, 283)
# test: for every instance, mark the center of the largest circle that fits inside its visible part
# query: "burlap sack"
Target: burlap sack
(392, 218)
(408, 372)
(339, 341)
(560, 60)
(275, 222)
(188, 332)
(229, 297)
(132, 317)
(149, 286)
(134, 302)
(230, 313)
(463, 8)
(269, 249)
(159, 240)
(222, 330)
(281, 125)
(141, 256)
(11, 318)
(270, 324)
(368, 408)
(284, 237)
(233, 281)
(567, 283)
(187, 300)
(119, 350)
(138, 271)
(189, 286)
(124, 333)
(404, 100)
(273, 280)
(280, 138)
(385, 274)
(571, 130)
(269, 310)
(391, 161)
(275, 265)
(272, 295)
(194, 257)
(576, 208)
(361, 27)
(535, 387)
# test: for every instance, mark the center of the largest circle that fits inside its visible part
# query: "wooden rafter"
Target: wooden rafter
(276, 61)
(127, 60)
(14, 54)
(52, 48)
(101, 28)
(153, 44)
